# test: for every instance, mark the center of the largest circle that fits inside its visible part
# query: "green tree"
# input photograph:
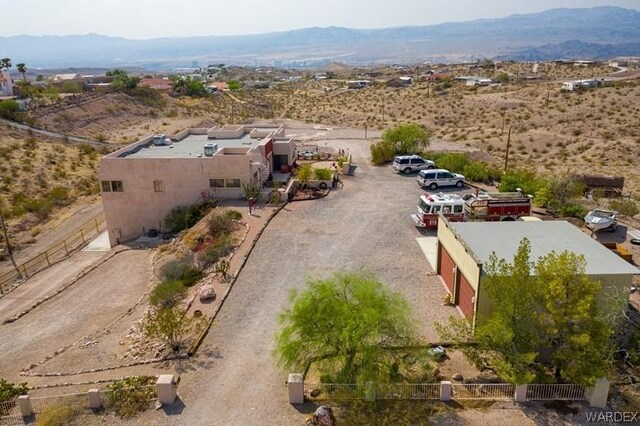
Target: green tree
(304, 174)
(22, 69)
(407, 138)
(234, 85)
(543, 316)
(5, 63)
(350, 325)
(122, 81)
(559, 191)
(173, 326)
(519, 178)
(576, 333)
(382, 152)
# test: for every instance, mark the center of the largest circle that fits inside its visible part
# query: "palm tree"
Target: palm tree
(22, 69)
(5, 63)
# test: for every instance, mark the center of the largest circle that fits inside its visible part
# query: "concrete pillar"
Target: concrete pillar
(445, 391)
(167, 389)
(370, 393)
(295, 386)
(521, 393)
(95, 401)
(599, 393)
(25, 405)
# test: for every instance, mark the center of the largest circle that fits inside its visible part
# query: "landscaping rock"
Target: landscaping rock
(207, 293)
(322, 417)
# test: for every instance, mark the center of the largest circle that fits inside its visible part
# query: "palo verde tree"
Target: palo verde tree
(575, 332)
(544, 316)
(350, 326)
(407, 138)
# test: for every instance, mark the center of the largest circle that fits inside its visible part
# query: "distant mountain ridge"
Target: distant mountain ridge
(552, 34)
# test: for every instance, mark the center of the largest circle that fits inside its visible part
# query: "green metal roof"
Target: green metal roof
(503, 238)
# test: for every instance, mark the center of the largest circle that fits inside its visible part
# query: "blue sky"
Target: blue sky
(161, 18)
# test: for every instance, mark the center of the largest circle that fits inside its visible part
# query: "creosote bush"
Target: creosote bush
(167, 293)
(130, 396)
(322, 174)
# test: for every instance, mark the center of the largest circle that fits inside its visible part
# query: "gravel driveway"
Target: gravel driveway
(366, 224)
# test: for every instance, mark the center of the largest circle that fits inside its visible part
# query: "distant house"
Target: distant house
(570, 86)
(218, 86)
(478, 81)
(59, 80)
(160, 84)
(399, 82)
(357, 84)
(6, 84)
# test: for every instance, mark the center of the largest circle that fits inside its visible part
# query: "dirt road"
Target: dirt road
(366, 224)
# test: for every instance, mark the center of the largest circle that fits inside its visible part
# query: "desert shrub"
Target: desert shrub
(183, 217)
(149, 96)
(304, 173)
(55, 415)
(9, 109)
(572, 210)
(221, 247)
(519, 178)
(130, 396)
(41, 207)
(58, 195)
(70, 87)
(627, 206)
(219, 224)
(9, 391)
(167, 293)
(233, 214)
(322, 174)
(176, 220)
(382, 152)
(453, 161)
(181, 270)
(476, 171)
(173, 326)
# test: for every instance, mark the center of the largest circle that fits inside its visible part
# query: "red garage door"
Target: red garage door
(447, 268)
(465, 297)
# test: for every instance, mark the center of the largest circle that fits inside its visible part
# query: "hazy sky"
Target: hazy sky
(159, 18)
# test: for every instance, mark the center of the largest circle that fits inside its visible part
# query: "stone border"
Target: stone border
(196, 345)
(78, 277)
(88, 382)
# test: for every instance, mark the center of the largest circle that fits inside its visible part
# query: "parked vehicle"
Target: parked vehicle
(598, 220)
(490, 207)
(410, 163)
(436, 178)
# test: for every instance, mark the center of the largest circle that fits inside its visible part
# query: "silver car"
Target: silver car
(436, 178)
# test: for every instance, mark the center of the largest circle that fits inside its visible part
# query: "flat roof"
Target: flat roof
(193, 146)
(503, 239)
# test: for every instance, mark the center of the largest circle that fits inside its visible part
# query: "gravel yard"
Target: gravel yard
(366, 224)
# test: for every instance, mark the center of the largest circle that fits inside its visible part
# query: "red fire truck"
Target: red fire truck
(481, 206)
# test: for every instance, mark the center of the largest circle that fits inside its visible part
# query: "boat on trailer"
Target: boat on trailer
(598, 220)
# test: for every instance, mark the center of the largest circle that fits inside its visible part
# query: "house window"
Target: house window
(158, 186)
(111, 186)
(232, 183)
(216, 183)
(225, 183)
(116, 186)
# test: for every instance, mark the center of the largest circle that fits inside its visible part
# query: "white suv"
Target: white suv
(436, 178)
(409, 163)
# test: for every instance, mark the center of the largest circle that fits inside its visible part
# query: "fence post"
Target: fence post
(521, 393)
(295, 386)
(25, 405)
(82, 235)
(24, 269)
(167, 389)
(370, 394)
(445, 391)
(66, 249)
(599, 393)
(94, 399)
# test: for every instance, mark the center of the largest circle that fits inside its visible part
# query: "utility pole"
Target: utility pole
(8, 244)
(506, 158)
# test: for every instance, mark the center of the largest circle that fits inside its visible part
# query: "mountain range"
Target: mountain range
(590, 33)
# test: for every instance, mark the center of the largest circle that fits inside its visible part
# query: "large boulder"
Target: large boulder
(323, 416)
(207, 293)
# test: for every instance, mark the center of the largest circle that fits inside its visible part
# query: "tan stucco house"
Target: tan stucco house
(142, 182)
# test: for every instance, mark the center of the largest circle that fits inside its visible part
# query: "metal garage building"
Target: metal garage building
(463, 248)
